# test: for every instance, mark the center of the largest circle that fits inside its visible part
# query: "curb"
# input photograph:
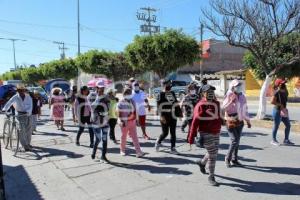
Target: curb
(295, 125)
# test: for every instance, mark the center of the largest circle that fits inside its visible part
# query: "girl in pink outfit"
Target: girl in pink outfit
(127, 122)
(57, 103)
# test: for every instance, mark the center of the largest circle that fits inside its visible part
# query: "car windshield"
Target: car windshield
(39, 89)
(179, 83)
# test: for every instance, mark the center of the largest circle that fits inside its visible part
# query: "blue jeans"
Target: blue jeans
(101, 134)
(277, 119)
(235, 137)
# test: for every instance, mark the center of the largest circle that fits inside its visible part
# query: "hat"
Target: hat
(279, 81)
(100, 84)
(111, 90)
(206, 88)
(21, 87)
(235, 83)
(131, 79)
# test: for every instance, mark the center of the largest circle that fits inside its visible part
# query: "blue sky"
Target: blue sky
(106, 24)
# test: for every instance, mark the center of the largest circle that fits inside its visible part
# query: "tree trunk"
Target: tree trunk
(261, 113)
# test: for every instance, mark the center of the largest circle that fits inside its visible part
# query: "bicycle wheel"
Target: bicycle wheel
(6, 133)
(15, 139)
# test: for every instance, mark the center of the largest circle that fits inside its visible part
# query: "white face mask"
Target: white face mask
(193, 92)
(127, 97)
(238, 89)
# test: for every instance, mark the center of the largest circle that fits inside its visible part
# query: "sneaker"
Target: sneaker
(174, 151)
(212, 181)
(236, 163)
(103, 159)
(201, 166)
(115, 141)
(275, 143)
(288, 142)
(91, 145)
(122, 153)
(157, 146)
(93, 156)
(140, 155)
(227, 163)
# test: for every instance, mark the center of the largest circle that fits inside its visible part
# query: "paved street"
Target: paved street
(58, 169)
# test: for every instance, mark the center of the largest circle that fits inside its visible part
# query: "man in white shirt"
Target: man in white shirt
(22, 103)
(140, 99)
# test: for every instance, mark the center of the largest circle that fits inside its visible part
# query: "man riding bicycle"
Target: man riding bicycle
(22, 102)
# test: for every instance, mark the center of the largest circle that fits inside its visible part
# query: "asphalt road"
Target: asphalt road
(57, 169)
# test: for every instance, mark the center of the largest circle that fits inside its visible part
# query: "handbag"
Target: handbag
(233, 122)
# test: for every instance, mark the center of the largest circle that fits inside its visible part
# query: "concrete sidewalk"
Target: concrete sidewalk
(58, 169)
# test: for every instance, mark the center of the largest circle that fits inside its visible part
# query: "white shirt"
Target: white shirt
(19, 104)
(139, 100)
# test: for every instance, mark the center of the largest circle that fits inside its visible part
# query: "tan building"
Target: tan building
(218, 56)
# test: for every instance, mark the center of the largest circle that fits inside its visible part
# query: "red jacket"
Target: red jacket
(206, 119)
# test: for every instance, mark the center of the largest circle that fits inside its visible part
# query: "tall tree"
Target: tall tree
(65, 69)
(32, 75)
(284, 50)
(256, 25)
(162, 53)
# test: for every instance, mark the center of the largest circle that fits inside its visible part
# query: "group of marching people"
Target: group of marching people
(100, 110)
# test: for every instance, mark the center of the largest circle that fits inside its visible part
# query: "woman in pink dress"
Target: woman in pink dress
(57, 103)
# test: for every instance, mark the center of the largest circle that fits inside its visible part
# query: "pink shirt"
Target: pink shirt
(238, 106)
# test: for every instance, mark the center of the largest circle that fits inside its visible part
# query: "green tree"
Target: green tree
(14, 75)
(112, 65)
(284, 50)
(66, 69)
(162, 53)
(96, 62)
(32, 75)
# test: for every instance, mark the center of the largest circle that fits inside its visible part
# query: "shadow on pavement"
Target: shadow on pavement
(277, 170)
(262, 187)
(50, 152)
(50, 134)
(241, 147)
(152, 169)
(18, 184)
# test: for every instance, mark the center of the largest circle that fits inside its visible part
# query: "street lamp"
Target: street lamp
(13, 40)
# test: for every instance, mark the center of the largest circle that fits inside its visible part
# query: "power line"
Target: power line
(104, 35)
(13, 40)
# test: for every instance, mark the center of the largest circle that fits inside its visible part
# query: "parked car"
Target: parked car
(42, 93)
(179, 87)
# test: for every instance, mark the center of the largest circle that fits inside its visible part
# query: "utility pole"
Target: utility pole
(78, 43)
(13, 40)
(149, 19)
(201, 50)
(61, 46)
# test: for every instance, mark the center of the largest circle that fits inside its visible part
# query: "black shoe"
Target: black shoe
(182, 130)
(104, 159)
(227, 163)
(236, 163)
(91, 145)
(202, 167)
(77, 143)
(212, 181)
(93, 156)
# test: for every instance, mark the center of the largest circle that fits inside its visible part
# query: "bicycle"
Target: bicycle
(11, 133)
